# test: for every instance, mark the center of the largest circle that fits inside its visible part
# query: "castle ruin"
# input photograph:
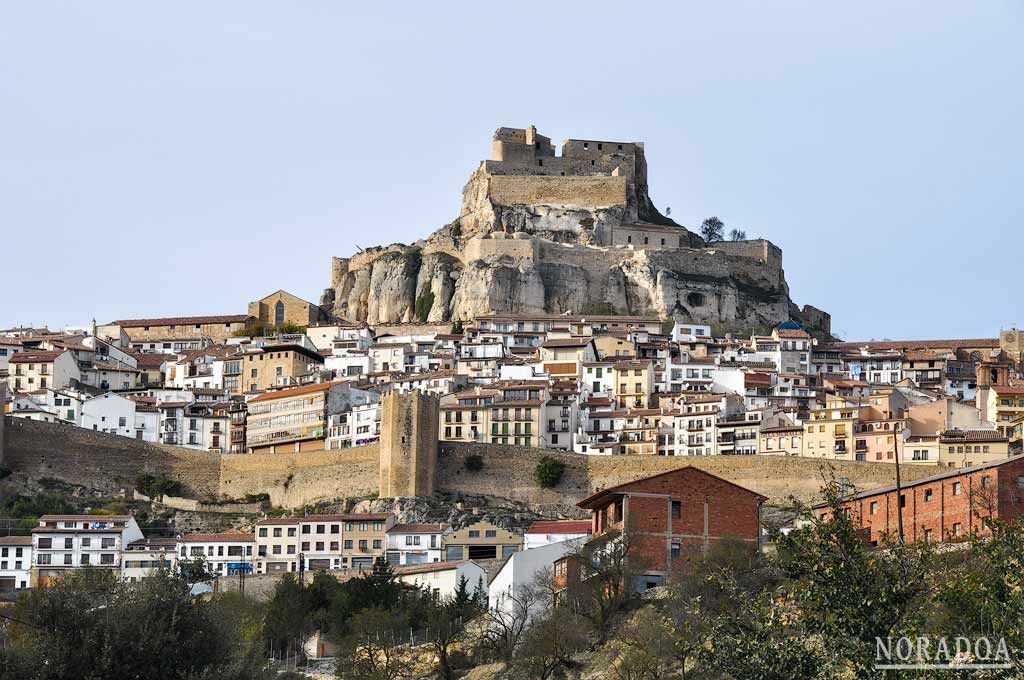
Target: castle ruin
(543, 232)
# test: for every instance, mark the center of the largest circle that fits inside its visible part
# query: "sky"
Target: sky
(185, 158)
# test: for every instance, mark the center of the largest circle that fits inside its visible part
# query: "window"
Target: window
(956, 528)
(474, 534)
(928, 493)
(279, 313)
(956, 488)
(491, 533)
(873, 508)
(348, 544)
(677, 509)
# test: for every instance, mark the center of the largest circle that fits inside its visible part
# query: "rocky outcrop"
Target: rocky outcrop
(565, 234)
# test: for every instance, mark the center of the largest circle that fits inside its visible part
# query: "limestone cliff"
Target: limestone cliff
(570, 233)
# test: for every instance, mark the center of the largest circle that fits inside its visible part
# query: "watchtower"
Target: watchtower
(408, 444)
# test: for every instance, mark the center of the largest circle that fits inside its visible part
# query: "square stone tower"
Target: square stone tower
(408, 444)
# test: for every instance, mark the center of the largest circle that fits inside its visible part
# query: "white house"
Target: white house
(689, 332)
(15, 563)
(442, 578)
(545, 532)
(117, 414)
(416, 543)
(145, 557)
(521, 572)
(225, 553)
(63, 542)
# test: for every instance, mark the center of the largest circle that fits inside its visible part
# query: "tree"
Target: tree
(737, 235)
(668, 211)
(712, 229)
(608, 569)
(375, 649)
(445, 623)
(643, 647)
(457, 327)
(553, 636)
(91, 626)
(848, 593)
(504, 625)
(548, 472)
(287, 613)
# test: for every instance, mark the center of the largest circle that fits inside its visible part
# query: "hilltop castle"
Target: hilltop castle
(542, 232)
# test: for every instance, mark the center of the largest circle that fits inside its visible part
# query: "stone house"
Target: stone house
(282, 307)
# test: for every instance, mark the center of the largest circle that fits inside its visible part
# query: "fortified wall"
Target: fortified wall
(108, 463)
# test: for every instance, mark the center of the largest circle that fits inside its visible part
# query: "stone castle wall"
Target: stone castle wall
(102, 462)
(584, 192)
(110, 463)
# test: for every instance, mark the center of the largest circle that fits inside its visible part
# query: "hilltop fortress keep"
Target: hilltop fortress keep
(573, 233)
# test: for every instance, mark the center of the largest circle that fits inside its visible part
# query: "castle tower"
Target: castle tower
(408, 444)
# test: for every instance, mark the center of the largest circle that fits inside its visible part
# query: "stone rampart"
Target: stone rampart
(585, 192)
(110, 463)
(103, 462)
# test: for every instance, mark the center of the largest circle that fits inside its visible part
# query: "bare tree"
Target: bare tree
(503, 626)
(608, 567)
(737, 235)
(712, 229)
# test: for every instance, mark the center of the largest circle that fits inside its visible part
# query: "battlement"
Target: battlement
(524, 151)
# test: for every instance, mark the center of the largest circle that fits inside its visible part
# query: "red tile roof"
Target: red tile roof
(181, 320)
(567, 526)
(413, 528)
(297, 391)
(36, 357)
(223, 537)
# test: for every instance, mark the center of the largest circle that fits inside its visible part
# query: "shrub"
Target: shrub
(474, 462)
(424, 303)
(158, 485)
(548, 472)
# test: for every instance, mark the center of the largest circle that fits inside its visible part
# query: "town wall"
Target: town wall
(102, 462)
(294, 480)
(110, 463)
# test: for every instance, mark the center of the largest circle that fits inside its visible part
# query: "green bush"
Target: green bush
(155, 486)
(548, 472)
(423, 305)
(474, 462)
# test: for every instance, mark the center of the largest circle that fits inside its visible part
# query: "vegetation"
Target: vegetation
(424, 303)
(809, 610)
(456, 327)
(260, 329)
(92, 626)
(712, 229)
(737, 235)
(548, 472)
(474, 462)
(156, 486)
(599, 309)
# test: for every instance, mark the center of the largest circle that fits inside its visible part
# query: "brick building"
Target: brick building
(670, 513)
(945, 507)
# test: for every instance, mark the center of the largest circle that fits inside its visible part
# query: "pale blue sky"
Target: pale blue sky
(188, 157)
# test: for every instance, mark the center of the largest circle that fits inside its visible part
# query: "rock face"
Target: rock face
(575, 233)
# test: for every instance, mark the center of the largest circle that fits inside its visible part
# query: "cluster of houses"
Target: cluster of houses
(286, 377)
(666, 517)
